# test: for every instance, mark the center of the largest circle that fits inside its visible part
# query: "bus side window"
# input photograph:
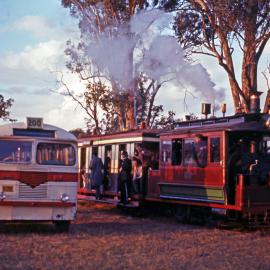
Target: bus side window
(176, 151)
(214, 149)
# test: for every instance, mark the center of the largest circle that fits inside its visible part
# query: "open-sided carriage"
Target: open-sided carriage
(141, 143)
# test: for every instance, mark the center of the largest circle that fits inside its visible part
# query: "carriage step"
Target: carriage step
(114, 201)
(93, 199)
(130, 204)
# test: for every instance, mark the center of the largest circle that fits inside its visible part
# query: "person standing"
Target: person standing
(137, 175)
(107, 172)
(96, 167)
(83, 182)
(125, 177)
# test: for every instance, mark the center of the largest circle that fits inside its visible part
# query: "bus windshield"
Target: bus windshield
(56, 154)
(15, 151)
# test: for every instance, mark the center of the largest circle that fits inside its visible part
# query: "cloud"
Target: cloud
(41, 28)
(66, 114)
(18, 90)
(29, 72)
(38, 57)
(28, 77)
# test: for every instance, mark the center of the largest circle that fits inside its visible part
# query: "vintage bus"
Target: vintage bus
(38, 173)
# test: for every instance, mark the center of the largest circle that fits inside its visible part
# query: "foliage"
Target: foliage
(78, 132)
(165, 122)
(5, 105)
(216, 28)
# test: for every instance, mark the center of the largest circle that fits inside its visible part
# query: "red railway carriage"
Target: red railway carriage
(215, 163)
(38, 173)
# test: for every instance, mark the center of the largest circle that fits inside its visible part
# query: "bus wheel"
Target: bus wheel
(62, 225)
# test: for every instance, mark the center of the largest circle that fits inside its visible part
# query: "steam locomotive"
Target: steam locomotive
(201, 165)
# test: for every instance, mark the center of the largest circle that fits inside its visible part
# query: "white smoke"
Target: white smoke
(112, 56)
(141, 22)
(144, 46)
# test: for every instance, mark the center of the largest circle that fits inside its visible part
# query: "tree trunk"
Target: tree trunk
(151, 103)
(130, 114)
(249, 65)
(267, 102)
(229, 68)
(130, 119)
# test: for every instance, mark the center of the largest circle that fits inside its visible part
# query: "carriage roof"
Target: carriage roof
(137, 135)
(236, 123)
(7, 130)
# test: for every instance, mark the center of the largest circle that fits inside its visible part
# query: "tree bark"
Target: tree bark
(249, 65)
(267, 102)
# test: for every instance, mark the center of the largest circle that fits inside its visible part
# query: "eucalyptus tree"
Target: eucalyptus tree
(219, 29)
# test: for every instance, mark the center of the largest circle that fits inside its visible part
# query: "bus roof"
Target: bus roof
(48, 131)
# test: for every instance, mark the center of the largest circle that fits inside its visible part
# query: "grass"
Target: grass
(104, 238)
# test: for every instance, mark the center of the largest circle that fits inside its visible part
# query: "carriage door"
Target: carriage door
(107, 161)
(122, 147)
(82, 166)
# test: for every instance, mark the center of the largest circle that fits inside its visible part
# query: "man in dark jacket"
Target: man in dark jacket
(125, 177)
(96, 167)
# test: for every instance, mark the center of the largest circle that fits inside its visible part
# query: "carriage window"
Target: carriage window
(189, 149)
(107, 158)
(56, 154)
(195, 152)
(215, 150)
(166, 147)
(15, 151)
(176, 151)
(148, 153)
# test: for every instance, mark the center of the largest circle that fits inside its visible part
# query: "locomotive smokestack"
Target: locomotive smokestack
(188, 117)
(206, 109)
(223, 109)
(255, 102)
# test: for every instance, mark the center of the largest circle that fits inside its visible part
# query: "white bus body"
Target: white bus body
(38, 174)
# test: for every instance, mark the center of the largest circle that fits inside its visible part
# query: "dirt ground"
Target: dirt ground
(102, 237)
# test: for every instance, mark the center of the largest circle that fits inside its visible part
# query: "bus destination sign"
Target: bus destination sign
(34, 123)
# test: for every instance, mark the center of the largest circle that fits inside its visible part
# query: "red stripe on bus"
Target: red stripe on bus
(34, 179)
(37, 204)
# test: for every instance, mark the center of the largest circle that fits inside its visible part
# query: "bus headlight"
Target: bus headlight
(64, 197)
(2, 196)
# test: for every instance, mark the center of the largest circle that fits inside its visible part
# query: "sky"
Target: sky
(33, 35)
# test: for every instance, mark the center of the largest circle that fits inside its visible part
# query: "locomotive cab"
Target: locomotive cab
(248, 155)
(248, 171)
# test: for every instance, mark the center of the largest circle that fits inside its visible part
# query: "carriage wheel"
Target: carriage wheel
(182, 214)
